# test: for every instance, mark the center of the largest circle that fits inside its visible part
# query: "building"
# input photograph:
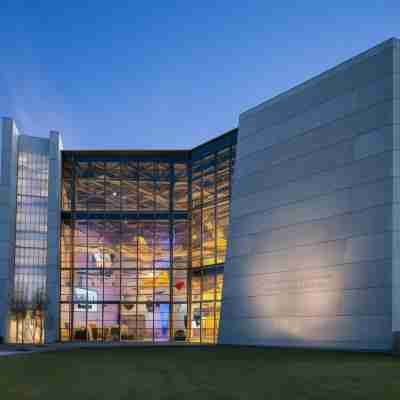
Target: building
(137, 245)
(114, 245)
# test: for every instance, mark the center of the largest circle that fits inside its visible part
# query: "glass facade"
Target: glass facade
(210, 197)
(30, 249)
(143, 242)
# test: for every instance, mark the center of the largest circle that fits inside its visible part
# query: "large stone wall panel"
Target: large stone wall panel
(343, 201)
(314, 221)
(372, 220)
(338, 108)
(348, 276)
(352, 250)
(372, 301)
(366, 170)
(304, 330)
(377, 117)
(329, 158)
(343, 78)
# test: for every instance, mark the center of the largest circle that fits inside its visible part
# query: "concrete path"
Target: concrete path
(11, 350)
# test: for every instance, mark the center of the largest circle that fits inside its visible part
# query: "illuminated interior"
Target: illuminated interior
(27, 302)
(143, 243)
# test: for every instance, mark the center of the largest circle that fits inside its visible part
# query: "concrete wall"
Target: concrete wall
(11, 143)
(8, 174)
(54, 219)
(313, 241)
(396, 208)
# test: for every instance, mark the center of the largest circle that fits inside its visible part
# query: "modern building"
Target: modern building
(283, 232)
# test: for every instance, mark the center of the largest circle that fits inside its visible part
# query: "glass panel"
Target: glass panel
(180, 285)
(95, 186)
(162, 186)
(181, 245)
(219, 285)
(95, 285)
(82, 178)
(112, 285)
(180, 187)
(65, 322)
(129, 244)
(196, 287)
(79, 322)
(207, 322)
(112, 241)
(208, 286)
(196, 192)
(66, 244)
(31, 248)
(145, 321)
(146, 285)
(196, 238)
(222, 231)
(66, 285)
(208, 236)
(146, 186)
(179, 318)
(195, 327)
(217, 319)
(146, 244)
(111, 331)
(161, 285)
(129, 326)
(129, 284)
(161, 321)
(162, 247)
(94, 322)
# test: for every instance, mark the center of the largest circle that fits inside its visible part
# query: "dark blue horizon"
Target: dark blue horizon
(156, 76)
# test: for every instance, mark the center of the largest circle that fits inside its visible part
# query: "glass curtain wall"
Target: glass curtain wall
(129, 266)
(124, 250)
(29, 295)
(211, 188)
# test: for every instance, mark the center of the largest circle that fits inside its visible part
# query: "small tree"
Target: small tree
(40, 303)
(19, 309)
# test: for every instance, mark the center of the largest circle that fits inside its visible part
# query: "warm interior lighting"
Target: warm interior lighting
(125, 278)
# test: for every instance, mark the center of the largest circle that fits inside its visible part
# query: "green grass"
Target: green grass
(199, 373)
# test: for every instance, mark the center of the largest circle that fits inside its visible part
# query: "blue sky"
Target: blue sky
(168, 74)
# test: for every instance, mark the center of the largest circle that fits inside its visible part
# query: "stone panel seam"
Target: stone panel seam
(313, 130)
(332, 318)
(232, 273)
(315, 197)
(311, 221)
(310, 291)
(316, 151)
(278, 250)
(343, 116)
(316, 173)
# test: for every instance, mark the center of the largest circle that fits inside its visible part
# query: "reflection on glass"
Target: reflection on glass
(140, 241)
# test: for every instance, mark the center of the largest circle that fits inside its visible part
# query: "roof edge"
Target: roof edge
(393, 41)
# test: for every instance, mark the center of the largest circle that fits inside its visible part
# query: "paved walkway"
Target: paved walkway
(11, 350)
(13, 353)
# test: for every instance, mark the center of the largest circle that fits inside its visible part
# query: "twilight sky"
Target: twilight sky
(168, 74)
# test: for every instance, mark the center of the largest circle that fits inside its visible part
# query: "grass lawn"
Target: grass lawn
(199, 373)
